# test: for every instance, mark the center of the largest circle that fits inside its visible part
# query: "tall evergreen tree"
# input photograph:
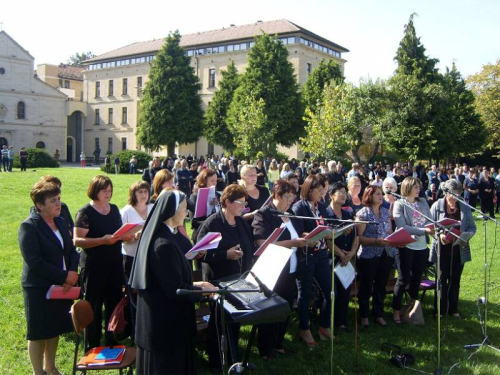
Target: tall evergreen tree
(270, 76)
(216, 130)
(171, 109)
(418, 126)
(469, 130)
(324, 73)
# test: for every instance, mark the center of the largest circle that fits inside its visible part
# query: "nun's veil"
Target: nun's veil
(166, 206)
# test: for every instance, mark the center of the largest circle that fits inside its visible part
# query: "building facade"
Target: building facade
(113, 81)
(32, 113)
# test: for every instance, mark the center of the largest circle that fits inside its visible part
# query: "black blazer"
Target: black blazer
(264, 223)
(302, 208)
(43, 254)
(217, 258)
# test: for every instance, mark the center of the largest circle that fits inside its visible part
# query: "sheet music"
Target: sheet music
(345, 274)
(269, 265)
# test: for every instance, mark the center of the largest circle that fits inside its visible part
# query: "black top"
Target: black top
(100, 225)
(256, 204)
(165, 320)
(149, 174)
(66, 215)
(231, 236)
(232, 177)
(354, 207)
(191, 206)
(486, 184)
(43, 254)
(261, 180)
(344, 241)
(264, 223)
(334, 177)
(302, 208)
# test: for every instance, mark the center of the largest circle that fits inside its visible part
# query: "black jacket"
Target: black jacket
(43, 254)
(264, 223)
(302, 208)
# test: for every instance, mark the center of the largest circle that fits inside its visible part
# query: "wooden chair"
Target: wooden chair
(82, 315)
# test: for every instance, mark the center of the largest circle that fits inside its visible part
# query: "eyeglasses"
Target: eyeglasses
(341, 193)
(288, 197)
(243, 204)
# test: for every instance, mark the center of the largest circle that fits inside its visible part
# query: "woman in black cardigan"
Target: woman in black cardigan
(49, 258)
(271, 336)
(166, 323)
(232, 256)
(313, 262)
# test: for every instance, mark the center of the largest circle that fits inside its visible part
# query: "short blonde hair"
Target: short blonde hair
(352, 180)
(245, 168)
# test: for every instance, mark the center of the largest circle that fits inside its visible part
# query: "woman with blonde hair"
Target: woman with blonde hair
(257, 195)
(354, 189)
(163, 179)
(273, 174)
(285, 171)
(411, 259)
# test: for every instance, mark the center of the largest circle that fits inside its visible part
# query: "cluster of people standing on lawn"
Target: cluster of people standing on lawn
(153, 263)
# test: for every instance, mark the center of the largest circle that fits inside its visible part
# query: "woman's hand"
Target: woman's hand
(195, 189)
(346, 258)
(234, 253)
(443, 239)
(66, 288)
(429, 230)
(381, 242)
(201, 254)
(128, 237)
(300, 242)
(109, 239)
(137, 236)
(204, 285)
(71, 278)
(214, 201)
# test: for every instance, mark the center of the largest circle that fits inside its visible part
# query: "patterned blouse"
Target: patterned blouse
(375, 231)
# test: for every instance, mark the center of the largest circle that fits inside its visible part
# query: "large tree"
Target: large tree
(270, 76)
(170, 109)
(418, 126)
(216, 129)
(324, 73)
(486, 87)
(469, 131)
(78, 58)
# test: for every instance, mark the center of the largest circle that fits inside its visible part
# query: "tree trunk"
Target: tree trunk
(171, 149)
(374, 152)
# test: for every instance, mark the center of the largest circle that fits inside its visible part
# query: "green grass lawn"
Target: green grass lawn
(366, 358)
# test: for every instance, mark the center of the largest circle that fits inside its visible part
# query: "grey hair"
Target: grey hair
(392, 182)
(453, 185)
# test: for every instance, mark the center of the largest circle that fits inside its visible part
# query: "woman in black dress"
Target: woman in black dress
(49, 258)
(345, 248)
(232, 256)
(101, 259)
(166, 323)
(257, 194)
(271, 336)
(261, 173)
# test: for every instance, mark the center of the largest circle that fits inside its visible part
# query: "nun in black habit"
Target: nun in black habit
(165, 330)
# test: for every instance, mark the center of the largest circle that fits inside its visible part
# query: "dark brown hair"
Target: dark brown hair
(132, 199)
(310, 183)
(231, 193)
(43, 190)
(201, 180)
(97, 184)
(50, 178)
(282, 187)
(160, 178)
(368, 194)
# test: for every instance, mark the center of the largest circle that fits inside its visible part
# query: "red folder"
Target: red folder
(271, 239)
(400, 238)
(128, 228)
(446, 222)
(318, 233)
(450, 237)
(56, 292)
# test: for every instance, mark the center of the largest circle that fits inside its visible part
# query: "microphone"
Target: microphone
(278, 212)
(263, 288)
(183, 292)
(390, 192)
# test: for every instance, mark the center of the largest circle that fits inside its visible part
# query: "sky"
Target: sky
(466, 32)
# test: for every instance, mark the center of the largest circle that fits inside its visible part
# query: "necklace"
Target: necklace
(102, 210)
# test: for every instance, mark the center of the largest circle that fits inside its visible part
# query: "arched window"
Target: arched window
(3, 142)
(21, 111)
(40, 144)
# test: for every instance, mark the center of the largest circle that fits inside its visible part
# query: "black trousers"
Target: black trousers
(373, 275)
(103, 287)
(487, 206)
(451, 272)
(342, 297)
(411, 266)
(271, 336)
(23, 164)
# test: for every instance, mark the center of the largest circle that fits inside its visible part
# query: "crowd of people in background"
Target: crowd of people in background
(245, 196)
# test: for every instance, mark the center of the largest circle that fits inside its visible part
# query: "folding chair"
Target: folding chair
(82, 315)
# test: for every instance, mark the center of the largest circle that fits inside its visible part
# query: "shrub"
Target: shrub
(142, 157)
(37, 158)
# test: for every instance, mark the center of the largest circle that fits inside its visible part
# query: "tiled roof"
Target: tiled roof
(215, 36)
(70, 72)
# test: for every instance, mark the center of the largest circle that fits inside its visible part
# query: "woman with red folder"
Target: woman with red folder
(49, 258)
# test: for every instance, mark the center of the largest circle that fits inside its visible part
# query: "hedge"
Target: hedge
(37, 158)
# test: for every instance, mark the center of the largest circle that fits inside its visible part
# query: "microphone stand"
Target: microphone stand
(240, 366)
(481, 300)
(441, 229)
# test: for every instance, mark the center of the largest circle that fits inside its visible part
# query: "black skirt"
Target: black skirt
(177, 361)
(46, 318)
